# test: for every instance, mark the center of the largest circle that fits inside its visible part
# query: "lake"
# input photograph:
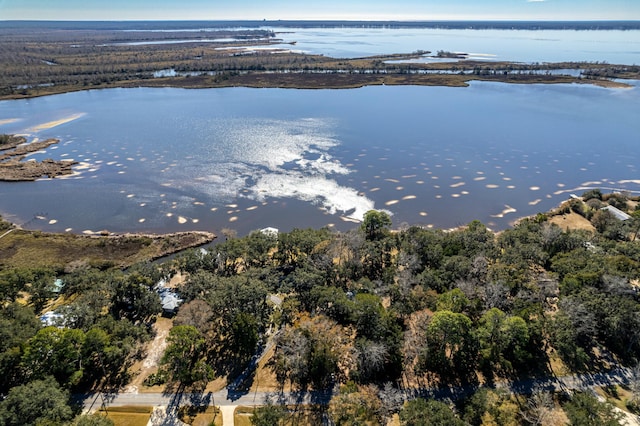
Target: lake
(162, 160)
(612, 46)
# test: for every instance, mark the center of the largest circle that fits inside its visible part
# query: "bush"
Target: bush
(156, 379)
(592, 194)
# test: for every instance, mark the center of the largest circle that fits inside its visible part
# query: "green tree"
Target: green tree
(269, 414)
(18, 324)
(356, 406)
(421, 412)
(134, 299)
(316, 351)
(450, 349)
(298, 246)
(37, 402)
(635, 223)
(503, 339)
(585, 410)
(55, 352)
(376, 224)
(454, 301)
(185, 355)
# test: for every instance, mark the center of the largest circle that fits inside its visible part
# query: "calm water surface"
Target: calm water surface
(615, 46)
(171, 159)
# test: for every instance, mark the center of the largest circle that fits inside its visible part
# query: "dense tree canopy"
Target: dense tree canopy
(382, 311)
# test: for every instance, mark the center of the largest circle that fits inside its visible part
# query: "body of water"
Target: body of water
(612, 46)
(173, 159)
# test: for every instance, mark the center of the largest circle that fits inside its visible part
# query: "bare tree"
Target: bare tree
(634, 383)
(539, 409)
(392, 399)
(371, 357)
(496, 296)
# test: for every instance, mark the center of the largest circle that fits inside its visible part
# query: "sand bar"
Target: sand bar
(55, 123)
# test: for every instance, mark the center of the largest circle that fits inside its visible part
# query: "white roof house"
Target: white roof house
(617, 213)
(270, 231)
(52, 318)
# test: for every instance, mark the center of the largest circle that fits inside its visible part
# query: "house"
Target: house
(52, 318)
(272, 232)
(57, 286)
(617, 213)
(170, 302)
(169, 299)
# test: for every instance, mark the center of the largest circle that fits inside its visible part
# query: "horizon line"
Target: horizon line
(324, 20)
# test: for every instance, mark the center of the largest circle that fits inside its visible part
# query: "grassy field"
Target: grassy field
(211, 416)
(22, 248)
(129, 416)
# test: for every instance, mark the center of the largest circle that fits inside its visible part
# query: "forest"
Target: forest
(401, 324)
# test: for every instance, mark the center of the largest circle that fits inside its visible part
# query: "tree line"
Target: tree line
(370, 314)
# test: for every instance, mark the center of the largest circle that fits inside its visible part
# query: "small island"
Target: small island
(14, 167)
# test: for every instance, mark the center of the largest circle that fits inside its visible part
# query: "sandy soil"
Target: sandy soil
(155, 349)
(227, 414)
(160, 417)
(572, 221)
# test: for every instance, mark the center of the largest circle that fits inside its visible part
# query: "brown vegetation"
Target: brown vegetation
(44, 62)
(22, 248)
(13, 151)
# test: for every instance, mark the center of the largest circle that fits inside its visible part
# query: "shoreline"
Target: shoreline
(15, 167)
(67, 250)
(266, 80)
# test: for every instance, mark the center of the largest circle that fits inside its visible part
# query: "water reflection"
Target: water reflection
(169, 159)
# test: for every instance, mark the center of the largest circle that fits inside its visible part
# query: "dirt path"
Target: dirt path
(155, 349)
(227, 414)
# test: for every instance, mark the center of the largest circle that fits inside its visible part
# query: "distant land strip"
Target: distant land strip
(46, 58)
(445, 24)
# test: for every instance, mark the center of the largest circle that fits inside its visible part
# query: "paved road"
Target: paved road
(231, 398)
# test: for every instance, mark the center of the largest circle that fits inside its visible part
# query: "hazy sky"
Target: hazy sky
(320, 9)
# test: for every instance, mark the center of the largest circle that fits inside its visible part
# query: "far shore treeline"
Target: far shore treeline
(40, 58)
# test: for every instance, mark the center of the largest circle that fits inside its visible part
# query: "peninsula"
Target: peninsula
(40, 59)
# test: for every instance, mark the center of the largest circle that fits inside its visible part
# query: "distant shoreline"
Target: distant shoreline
(51, 57)
(599, 25)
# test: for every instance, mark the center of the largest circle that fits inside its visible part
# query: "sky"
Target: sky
(320, 9)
